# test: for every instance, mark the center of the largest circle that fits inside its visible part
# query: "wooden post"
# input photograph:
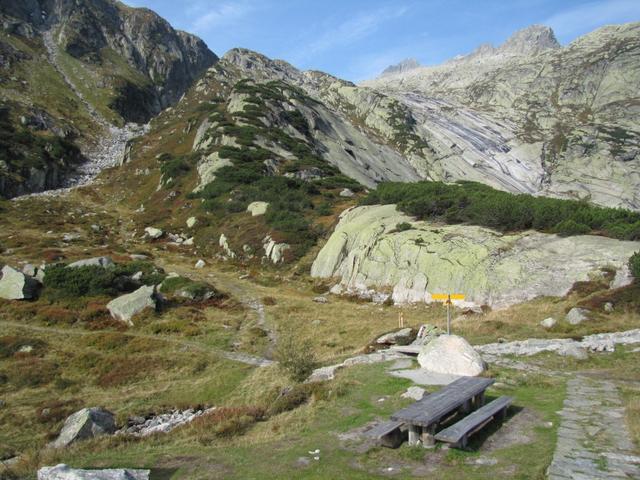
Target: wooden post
(466, 406)
(449, 316)
(401, 320)
(428, 436)
(480, 400)
(413, 435)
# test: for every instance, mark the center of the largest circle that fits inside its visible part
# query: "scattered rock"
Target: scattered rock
(103, 262)
(577, 315)
(274, 251)
(126, 306)
(70, 237)
(188, 241)
(548, 322)
(163, 423)
(451, 354)
(257, 208)
(347, 193)
(64, 472)
(137, 276)
(224, 244)
(137, 256)
(30, 270)
(84, 424)
(153, 233)
(15, 285)
(200, 264)
(608, 307)
(25, 349)
(416, 393)
(191, 222)
(321, 300)
(393, 338)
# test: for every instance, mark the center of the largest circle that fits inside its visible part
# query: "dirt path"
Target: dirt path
(593, 439)
(234, 356)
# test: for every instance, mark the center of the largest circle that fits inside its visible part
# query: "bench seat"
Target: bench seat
(458, 433)
(388, 434)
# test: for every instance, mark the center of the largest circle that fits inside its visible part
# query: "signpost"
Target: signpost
(447, 298)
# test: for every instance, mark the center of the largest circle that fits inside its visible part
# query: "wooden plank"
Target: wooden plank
(473, 422)
(383, 429)
(439, 404)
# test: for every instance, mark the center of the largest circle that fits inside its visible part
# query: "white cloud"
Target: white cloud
(205, 18)
(588, 16)
(350, 31)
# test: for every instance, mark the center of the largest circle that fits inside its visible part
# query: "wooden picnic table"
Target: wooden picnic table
(423, 417)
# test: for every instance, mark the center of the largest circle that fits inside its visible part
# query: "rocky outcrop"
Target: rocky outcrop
(366, 253)
(163, 423)
(64, 472)
(84, 424)
(530, 116)
(15, 285)
(104, 262)
(125, 307)
(451, 355)
(402, 67)
(274, 251)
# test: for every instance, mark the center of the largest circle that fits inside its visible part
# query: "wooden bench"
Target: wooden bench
(458, 433)
(423, 417)
(388, 434)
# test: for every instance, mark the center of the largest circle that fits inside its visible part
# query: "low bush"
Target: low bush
(478, 204)
(296, 357)
(634, 266)
(225, 422)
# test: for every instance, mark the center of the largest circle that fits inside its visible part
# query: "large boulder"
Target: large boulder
(367, 252)
(64, 472)
(452, 355)
(84, 424)
(15, 285)
(103, 262)
(126, 306)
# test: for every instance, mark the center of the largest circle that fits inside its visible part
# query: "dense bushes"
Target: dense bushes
(61, 281)
(477, 204)
(296, 357)
(634, 266)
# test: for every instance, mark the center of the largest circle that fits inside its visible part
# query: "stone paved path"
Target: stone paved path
(593, 438)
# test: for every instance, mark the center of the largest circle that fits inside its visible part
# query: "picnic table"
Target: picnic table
(423, 417)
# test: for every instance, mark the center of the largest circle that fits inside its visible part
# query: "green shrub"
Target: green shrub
(478, 204)
(634, 266)
(403, 227)
(296, 357)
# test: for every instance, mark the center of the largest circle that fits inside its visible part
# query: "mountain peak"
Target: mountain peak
(402, 67)
(530, 41)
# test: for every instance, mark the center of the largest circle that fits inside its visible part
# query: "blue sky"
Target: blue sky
(356, 39)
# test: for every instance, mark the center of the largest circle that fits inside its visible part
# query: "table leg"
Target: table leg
(428, 434)
(413, 435)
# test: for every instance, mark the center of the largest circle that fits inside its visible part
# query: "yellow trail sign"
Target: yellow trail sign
(446, 298)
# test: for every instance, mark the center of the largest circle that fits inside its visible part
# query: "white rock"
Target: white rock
(153, 233)
(64, 472)
(15, 285)
(608, 307)
(191, 222)
(224, 244)
(451, 354)
(577, 315)
(126, 306)
(200, 264)
(258, 208)
(347, 193)
(548, 322)
(416, 393)
(103, 262)
(321, 300)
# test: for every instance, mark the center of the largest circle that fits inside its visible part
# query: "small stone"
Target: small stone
(137, 276)
(608, 307)
(25, 349)
(200, 264)
(153, 233)
(191, 222)
(415, 393)
(548, 322)
(188, 241)
(321, 300)
(347, 193)
(577, 315)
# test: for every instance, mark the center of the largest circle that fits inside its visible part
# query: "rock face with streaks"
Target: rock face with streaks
(64, 472)
(366, 252)
(531, 116)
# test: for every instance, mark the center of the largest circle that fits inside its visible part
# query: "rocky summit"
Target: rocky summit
(232, 267)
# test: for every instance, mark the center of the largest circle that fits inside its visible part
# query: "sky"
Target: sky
(357, 39)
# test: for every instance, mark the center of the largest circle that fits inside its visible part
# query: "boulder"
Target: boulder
(577, 315)
(257, 208)
(415, 393)
(153, 233)
(548, 322)
(84, 424)
(126, 306)
(15, 285)
(392, 338)
(103, 262)
(346, 193)
(64, 472)
(452, 355)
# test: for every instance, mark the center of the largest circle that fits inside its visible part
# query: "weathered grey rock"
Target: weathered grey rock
(367, 254)
(577, 315)
(126, 306)
(573, 350)
(15, 285)
(451, 354)
(548, 322)
(84, 424)
(153, 233)
(162, 423)
(258, 208)
(64, 472)
(393, 337)
(416, 393)
(104, 262)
